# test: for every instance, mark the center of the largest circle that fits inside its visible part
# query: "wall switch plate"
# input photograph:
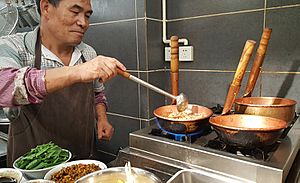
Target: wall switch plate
(167, 53)
(186, 53)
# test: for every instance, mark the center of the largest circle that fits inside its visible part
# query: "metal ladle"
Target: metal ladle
(181, 100)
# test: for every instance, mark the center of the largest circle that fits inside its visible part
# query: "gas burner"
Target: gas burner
(188, 137)
(261, 153)
(217, 109)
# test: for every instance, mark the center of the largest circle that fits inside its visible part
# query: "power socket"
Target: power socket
(186, 53)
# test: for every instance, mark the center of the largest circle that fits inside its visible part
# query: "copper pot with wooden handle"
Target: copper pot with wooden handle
(281, 108)
(248, 131)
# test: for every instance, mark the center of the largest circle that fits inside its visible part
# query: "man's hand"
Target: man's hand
(105, 130)
(100, 67)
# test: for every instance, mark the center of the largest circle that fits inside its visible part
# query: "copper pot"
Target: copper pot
(248, 131)
(183, 126)
(280, 108)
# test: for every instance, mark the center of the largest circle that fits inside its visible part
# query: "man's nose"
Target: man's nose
(83, 21)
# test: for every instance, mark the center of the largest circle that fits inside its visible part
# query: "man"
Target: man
(53, 78)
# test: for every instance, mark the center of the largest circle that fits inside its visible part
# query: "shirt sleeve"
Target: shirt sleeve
(100, 94)
(100, 98)
(21, 86)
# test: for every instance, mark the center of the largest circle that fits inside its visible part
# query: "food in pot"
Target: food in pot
(72, 173)
(185, 115)
(42, 156)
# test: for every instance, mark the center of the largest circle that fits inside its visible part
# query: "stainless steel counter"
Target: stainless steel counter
(165, 157)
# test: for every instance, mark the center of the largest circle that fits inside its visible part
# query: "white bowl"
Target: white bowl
(11, 173)
(40, 173)
(61, 166)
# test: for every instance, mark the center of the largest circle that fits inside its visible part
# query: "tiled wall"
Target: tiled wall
(131, 30)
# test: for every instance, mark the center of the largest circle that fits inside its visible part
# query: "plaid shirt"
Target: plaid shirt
(18, 51)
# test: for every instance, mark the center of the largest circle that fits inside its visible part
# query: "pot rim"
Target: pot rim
(215, 121)
(136, 170)
(245, 101)
(207, 113)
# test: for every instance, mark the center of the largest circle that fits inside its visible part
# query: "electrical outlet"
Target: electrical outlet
(167, 53)
(186, 53)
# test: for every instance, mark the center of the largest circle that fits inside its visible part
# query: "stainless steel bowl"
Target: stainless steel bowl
(40, 181)
(118, 173)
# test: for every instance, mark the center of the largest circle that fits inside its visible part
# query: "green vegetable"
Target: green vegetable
(42, 156)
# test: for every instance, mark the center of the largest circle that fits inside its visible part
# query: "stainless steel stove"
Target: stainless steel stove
(155, 151)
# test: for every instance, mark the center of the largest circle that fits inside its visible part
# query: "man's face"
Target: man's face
(69, 20)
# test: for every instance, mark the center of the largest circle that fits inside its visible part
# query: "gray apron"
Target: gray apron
(65, 117)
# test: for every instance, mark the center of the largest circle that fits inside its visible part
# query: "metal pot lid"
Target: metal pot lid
(3, 144)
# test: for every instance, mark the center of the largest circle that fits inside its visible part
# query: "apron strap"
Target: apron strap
(38, 52)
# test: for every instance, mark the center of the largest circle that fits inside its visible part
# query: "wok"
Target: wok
(280, 108)
(247, 131)
(183, 125)
(180, 125)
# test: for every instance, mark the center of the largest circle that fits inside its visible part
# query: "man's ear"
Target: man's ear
(45, 5)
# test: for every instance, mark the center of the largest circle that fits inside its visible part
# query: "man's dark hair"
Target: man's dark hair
(53, 2)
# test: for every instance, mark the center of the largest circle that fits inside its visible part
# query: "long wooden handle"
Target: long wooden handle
(244, 60)
(238, 77)
(258, 61)
(123, 73)
(174, 66)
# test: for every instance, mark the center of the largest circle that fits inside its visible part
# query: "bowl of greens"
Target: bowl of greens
(39, 160)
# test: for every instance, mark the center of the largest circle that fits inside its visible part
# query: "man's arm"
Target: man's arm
(29, 85)
(21, 86)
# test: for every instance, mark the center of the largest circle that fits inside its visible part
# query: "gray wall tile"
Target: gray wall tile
(150, 99)
(218, 41)
(144, 97)
(209, 88)
(122, 96)
(155, 46)
(282, 85)
(123, 126)
(116, 40)
(274, 3)
(154, 8)
(283, 52)
(111, 10)
(142, 44)
(158, 79)
(190, 8)
(141, 8)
